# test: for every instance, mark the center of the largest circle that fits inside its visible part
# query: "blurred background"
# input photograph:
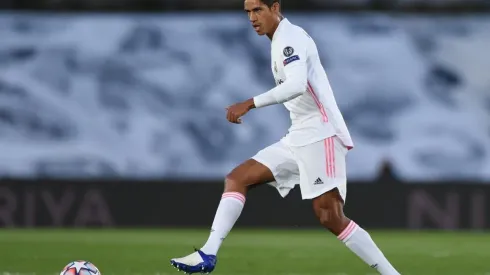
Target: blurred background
(113, 134)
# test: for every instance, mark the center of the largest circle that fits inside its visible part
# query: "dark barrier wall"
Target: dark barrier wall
(176, 204)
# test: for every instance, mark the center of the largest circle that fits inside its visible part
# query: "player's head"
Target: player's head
(264, 15)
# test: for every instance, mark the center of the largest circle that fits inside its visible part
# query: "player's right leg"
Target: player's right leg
(237, 183)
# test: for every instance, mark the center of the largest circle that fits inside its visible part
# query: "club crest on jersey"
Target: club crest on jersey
(290, 59)
(288, 51)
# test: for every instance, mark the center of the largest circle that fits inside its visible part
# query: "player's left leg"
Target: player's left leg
(323, 179)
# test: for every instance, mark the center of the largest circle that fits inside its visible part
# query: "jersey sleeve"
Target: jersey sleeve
(294, 51)
(294, 55)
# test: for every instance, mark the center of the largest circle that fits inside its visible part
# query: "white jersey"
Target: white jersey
(313, 110)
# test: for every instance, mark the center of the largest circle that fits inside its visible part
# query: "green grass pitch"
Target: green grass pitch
(293, 252)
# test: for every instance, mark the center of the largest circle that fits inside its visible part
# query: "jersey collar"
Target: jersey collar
(283, 22)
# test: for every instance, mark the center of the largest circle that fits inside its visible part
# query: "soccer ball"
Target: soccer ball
(80, 268)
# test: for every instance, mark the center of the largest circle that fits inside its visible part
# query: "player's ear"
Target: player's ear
(276, 7)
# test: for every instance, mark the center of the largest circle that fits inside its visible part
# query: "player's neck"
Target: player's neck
(274, 29)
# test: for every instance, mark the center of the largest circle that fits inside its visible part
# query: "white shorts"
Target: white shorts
(318, 167)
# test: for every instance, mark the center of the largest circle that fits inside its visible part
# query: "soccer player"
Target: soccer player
(312, 154)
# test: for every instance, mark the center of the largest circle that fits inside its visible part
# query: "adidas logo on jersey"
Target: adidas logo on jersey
(318, 181)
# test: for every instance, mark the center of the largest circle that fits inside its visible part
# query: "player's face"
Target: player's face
(263, 18)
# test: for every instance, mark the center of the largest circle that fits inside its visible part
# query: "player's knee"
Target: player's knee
(231, 181)
(234, 183)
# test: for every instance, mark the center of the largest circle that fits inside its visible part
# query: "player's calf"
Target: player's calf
(329, 210)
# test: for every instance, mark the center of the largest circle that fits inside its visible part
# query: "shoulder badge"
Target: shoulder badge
(288, 51)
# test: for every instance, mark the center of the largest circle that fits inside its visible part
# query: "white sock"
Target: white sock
(229, 209)
(360, 242)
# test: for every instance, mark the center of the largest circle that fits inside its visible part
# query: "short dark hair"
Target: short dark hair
(269, 3)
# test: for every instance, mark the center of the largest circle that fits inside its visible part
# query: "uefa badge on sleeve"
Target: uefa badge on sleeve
(288, 51)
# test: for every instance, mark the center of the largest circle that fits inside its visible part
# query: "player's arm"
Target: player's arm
(294, 56)
(294, 60)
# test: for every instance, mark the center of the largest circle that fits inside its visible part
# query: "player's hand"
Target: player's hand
(236, 111)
